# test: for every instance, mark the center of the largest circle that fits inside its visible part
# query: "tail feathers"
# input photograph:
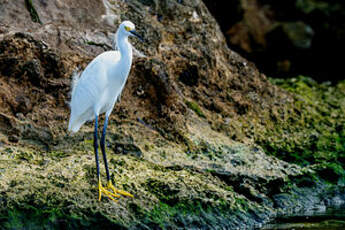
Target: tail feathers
(74, 126)
(77, 120)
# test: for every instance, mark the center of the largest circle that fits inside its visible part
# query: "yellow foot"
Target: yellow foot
(123, 193)
(103, 190)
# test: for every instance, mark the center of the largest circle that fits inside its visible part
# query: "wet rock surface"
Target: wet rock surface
(200, 136)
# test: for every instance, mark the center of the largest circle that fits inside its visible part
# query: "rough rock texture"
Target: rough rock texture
(200, 136)
(286, 38)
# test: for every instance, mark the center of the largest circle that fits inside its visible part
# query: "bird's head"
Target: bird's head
(128, 28)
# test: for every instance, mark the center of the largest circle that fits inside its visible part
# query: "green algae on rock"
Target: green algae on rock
(60, 190)
(234, 156)
(193, 106)
(314, 130)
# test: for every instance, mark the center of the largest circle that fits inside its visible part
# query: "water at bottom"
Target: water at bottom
(331, 218)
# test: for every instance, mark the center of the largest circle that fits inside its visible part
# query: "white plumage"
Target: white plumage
(96, 91)
(100, 84)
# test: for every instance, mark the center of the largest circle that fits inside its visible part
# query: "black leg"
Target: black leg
(95, 145)
(103, 147)
(110, 184)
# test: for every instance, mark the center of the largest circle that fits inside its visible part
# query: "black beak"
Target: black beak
(137, 35)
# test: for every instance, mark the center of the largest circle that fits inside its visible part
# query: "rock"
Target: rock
(8, 65)
(126, 148)
(23, 104)
(301, 24)
(204, 138)
(33, 70)
(190, 75)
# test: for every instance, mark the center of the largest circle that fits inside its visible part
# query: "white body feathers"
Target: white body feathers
(100, 84)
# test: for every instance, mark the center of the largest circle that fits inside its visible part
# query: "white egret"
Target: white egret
(96, 91)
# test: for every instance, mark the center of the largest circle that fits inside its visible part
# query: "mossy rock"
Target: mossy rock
(195, 107)
(312, 129)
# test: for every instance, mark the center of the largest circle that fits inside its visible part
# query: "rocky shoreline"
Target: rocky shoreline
(200, 136)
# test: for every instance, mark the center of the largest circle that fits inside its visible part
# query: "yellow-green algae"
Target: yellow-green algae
(209, 179)
(170, 189)
(195, 107)
(309, 130)
(65, 190)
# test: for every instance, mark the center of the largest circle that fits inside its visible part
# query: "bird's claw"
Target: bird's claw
(111, 195)
(103, 190)
(123, 193)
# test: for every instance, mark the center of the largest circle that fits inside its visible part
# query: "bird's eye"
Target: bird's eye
(127, 28)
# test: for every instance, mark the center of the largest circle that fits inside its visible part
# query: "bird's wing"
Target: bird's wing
(103, 60)
(87, 90)
(94, 71)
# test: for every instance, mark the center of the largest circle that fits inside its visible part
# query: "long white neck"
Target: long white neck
(125, 49)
